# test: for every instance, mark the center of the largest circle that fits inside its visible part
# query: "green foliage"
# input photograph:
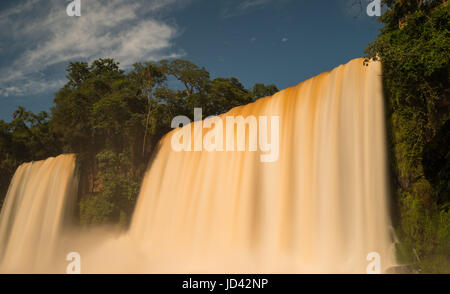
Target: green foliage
(118, 194)
(27, 137)
(96, 209)
(189, 74)
(414, 48)
(261, 90)
(225, 94)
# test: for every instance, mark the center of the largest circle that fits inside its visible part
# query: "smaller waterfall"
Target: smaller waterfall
(40, 199)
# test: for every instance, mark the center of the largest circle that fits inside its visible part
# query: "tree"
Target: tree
(190, 75)
(261, 90)
(413, 47)
(147, 76)
(27, 137)
(112, 121)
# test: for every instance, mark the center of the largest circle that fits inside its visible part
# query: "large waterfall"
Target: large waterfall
(321, 207)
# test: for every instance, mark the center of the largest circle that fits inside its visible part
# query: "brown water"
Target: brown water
(321, 207)
(39, 204)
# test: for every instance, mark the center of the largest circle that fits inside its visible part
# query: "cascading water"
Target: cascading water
(39, 203)
(321, 207)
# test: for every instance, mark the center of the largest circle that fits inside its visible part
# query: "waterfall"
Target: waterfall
(321, 206)
(38, 205)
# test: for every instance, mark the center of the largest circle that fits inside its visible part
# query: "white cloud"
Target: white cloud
(284, 39)
(31, 86)
(128, 31)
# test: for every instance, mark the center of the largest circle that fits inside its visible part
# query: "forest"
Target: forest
(113, 121)
(414, 48)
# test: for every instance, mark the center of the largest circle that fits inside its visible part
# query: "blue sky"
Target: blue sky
(257, 41)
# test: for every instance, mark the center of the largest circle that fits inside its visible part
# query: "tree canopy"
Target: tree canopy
(112, 120)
